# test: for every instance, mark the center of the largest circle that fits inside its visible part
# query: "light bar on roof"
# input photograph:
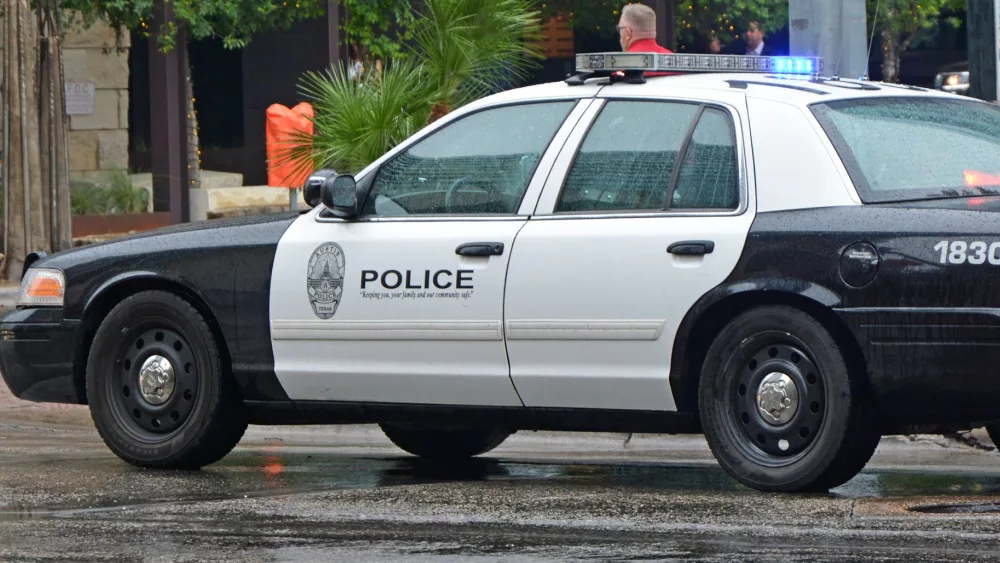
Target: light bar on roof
(659, 62)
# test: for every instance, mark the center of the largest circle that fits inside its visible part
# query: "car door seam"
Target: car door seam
(503, 307)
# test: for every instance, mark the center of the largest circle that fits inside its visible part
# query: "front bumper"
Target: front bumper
(36, 355)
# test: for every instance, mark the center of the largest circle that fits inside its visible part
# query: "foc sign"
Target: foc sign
(79, 98)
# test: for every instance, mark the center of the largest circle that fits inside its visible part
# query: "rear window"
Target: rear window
(900, 149)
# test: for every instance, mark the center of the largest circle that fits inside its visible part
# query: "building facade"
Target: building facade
(97, 75)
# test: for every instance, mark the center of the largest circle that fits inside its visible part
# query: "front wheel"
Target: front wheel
(156, 388)
(444, 443)
(779, 407)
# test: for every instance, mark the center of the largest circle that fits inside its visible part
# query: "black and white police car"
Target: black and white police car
(793, 265)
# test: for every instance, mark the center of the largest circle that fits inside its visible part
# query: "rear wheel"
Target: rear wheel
(157, 392)
(778, 406)
(444, 443)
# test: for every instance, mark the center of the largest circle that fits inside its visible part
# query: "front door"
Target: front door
(405, 304)
(649, 214)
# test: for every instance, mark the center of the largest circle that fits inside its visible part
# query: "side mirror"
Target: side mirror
(340, 196)
(312, 192)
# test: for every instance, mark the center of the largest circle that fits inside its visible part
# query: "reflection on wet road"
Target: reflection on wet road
(63, 496)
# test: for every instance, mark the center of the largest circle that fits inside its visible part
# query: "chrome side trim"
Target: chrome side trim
(635, 215)
(386, 330)
(585, 329)
(423, 219)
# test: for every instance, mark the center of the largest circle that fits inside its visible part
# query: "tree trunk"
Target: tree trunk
(35, 173)
(54, 128)
(438, 110)
(22, 159)
(891, 57)
(194, 148)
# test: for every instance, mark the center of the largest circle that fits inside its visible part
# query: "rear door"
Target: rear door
(405, 304)
(647, 209)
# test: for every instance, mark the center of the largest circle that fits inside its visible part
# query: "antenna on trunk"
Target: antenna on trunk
(872, 40)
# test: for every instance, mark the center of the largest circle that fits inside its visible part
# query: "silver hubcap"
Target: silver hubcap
(156, 380)
(777, 398)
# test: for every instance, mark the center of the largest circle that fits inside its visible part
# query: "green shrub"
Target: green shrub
(88, 199)
(126, 197)
(120, 195)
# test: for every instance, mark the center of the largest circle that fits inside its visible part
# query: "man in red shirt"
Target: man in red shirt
(637, 32)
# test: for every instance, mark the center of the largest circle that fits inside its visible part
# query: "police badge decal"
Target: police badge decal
(325, 279)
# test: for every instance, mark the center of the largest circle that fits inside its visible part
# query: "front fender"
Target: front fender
(111, 289)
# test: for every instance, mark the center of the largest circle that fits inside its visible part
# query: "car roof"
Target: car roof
(793, 90)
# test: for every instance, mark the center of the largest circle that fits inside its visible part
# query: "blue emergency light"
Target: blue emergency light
(602, 63)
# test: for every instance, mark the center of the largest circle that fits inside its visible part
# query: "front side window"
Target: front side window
(480, 164)
(654, 156)
(909, 148)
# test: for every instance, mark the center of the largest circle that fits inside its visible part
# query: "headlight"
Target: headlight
(956, 82)
(42, 287)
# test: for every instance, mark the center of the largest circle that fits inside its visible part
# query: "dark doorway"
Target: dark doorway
(139, 128)
(217, 83)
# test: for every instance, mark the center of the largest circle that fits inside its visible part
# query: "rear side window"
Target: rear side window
(642, 155)
(899, 149)
(708, 178)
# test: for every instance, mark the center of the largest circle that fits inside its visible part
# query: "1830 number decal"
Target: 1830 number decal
(960, 252)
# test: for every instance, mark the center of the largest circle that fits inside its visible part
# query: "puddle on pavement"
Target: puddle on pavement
(958, 508)
(903, 484)
(71, 487)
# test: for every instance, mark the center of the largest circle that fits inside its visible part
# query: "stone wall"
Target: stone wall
(98, 143)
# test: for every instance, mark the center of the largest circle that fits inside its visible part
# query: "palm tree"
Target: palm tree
(462, 51)
(355, 120)
(472, 48)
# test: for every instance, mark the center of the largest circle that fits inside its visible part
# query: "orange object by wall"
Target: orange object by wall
(282, 124)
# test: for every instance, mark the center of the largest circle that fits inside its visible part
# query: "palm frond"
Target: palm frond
(477, 47)
(356, 122)
(462, 50)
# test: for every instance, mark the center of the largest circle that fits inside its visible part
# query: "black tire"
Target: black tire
(444, 443)
(199, 421)
(832, 434)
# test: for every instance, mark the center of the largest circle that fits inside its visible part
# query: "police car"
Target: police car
(790, 264)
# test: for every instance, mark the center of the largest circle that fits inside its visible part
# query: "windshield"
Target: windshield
(899, 149)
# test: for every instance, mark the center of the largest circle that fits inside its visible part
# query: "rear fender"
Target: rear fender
(717, 307)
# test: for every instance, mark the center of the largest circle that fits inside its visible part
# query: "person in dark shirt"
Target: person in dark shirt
(755, 41)
(752, 43)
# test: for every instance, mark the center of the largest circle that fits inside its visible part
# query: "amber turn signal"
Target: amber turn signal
(42, 287)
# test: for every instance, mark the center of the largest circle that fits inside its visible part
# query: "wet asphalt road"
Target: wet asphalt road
(335, 494)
